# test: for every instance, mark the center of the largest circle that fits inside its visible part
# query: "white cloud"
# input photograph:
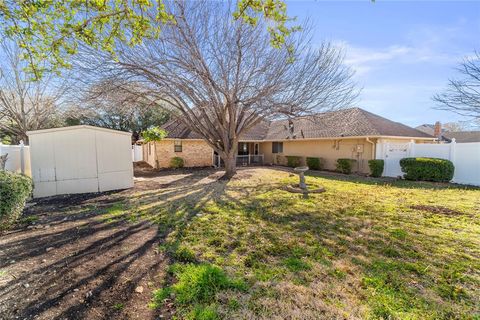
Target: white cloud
(364, 59)
(423, 44)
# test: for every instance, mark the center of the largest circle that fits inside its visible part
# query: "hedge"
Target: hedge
(314, 163)
(345, 165)
(177, 162)
(376, 167)
(427, 169)
(293, 161)
(15, 188)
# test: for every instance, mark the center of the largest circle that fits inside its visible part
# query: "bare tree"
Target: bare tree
(463, 95)
(25, 104)
(223, 77)
(456, 126)
(119, 106)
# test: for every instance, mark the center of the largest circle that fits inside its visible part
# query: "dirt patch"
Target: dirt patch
(67, 262)
(437, 210)
(67, 259)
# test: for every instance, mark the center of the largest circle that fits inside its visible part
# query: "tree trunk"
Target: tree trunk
(230, 166)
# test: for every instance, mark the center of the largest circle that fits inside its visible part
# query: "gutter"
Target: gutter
(374, 146)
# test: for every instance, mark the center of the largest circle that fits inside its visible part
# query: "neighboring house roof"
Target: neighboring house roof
(428, 128)
(351, 122)
(463, 136)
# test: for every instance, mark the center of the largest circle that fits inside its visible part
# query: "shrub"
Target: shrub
(15, 188)
(293, 161)
(314, 163)
(376, 167)
(345, 165)
(427, 169)
(177, 162)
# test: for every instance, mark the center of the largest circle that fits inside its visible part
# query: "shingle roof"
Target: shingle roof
(428, 128)
(176, 129)
(342, 123)
(465, 136)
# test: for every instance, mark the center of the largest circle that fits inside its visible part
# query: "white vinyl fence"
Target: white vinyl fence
(465, 158)
(137, 153)
(18, 158)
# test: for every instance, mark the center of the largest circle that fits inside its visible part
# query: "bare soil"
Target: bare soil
(66, 262)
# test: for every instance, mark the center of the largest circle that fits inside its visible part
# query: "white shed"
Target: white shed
(80, 159)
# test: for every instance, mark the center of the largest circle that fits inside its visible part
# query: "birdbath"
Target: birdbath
(301, 174)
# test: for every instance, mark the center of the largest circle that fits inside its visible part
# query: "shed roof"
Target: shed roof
(83, 126)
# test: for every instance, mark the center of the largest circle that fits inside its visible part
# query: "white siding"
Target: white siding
(80, 159)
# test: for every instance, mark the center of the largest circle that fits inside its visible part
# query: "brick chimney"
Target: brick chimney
(437, 130)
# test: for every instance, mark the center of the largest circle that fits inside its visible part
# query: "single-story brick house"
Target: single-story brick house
(350, 133)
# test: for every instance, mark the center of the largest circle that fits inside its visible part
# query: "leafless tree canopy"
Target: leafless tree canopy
(463, 95)
(25, 104)
(119, 106)
(224, 77)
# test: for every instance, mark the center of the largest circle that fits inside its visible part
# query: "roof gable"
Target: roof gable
(351, 122)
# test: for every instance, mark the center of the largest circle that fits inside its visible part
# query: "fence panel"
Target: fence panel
(467, 163)
(18, 158)
(137, 153)
(465, 158)
(441, 151)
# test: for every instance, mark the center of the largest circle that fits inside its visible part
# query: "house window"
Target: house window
(178, 146)
(277, 147)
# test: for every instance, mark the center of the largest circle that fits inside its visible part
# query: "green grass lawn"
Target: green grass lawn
(246, 249)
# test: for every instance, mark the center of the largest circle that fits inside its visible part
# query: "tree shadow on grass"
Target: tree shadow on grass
(87, 267)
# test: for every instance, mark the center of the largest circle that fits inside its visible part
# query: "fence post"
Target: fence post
(22, 157)
(411, 149)
(453, 145)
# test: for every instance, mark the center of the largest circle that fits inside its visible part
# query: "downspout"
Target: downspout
(373, 147)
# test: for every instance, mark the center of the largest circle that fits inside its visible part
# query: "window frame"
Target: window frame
(177, 146)
(277, 147)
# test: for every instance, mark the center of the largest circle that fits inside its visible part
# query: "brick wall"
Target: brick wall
(195, 153)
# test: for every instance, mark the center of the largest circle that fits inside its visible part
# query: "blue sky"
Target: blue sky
(403, 51)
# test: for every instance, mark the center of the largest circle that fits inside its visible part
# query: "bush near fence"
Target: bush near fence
(15, 189)
(427, 169)
(376, 167)
(345, 165)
